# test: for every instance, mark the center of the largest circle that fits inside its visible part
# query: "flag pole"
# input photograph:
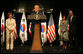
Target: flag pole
(43, 42)
(51, 13)
(50, 43)
(51, 10)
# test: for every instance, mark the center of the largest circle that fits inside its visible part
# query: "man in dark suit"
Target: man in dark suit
(73, 29)
(36, 10)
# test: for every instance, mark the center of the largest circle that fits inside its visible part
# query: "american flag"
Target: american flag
(51, 34)
(30, 28)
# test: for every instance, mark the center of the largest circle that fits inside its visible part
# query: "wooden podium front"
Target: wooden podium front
(36, 46)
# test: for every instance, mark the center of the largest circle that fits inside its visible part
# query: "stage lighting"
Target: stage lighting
(20, 10)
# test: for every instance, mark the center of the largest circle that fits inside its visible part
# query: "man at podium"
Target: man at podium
(36, 18)
(36, 10)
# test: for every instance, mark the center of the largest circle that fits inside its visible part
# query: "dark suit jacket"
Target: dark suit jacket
(40, 12)
(73, 26)
(33, 24)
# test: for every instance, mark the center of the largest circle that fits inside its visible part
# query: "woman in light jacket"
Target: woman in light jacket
(10, 28)
(64, 34)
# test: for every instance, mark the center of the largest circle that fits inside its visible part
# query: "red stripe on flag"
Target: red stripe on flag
(49, 37)
(51, 34)
(54, 31)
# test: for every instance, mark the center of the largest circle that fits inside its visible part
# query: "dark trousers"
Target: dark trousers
(73, 40)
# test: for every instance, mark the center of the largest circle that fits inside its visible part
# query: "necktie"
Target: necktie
(70, 19)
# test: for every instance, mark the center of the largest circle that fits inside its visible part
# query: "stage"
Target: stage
(46, 49)
(57, 5)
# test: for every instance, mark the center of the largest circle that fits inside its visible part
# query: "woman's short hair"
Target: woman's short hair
(64, 16)
(9, 13)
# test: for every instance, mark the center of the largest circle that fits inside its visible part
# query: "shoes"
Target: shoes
(21, 44)
(50, 44)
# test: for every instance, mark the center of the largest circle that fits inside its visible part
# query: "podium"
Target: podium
(36, 45)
